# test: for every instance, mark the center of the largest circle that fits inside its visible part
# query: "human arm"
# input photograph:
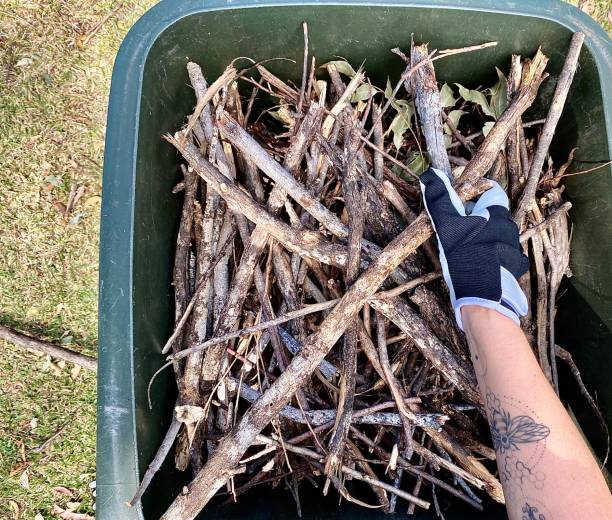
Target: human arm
(545, 467)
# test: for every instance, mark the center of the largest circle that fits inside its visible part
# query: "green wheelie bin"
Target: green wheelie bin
(149, 96)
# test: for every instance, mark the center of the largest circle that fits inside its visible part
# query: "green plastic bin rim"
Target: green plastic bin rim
(115, 389)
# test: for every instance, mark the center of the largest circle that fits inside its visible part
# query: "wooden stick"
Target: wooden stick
(563, 354)
(378, 143)
(229, 74)
(239, 138)
(304, 311)
(160, 456)
(545, 224)
(516, 175)
(305, 242)
(234, 444)
(396, 391)
(532, 76)
(467, 144)
(354, 200)
(349, 471)
(183, 240)
(248, 264)
(194, 299)
(403, 463)
(324, 417)
(427, 100)
(437, 314)
(541, 308)
(304, 69)
(392, 293)
(548, 130)
(381, 495)
(25, 341)
(452, 367)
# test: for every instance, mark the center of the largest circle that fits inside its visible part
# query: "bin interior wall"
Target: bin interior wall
(358, 33)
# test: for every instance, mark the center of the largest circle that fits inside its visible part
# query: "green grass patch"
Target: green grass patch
(52, 124)
(47, 433)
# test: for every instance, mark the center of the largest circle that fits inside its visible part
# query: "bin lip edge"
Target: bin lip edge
(135, 48)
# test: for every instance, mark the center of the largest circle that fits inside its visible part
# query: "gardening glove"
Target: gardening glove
(480, 253)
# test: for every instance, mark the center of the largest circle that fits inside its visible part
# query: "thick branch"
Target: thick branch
(24, 341)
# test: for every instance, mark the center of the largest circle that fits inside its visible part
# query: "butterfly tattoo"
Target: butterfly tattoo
(509, 432)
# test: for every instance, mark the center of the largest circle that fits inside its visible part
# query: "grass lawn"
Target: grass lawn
(54, 84)
(54, 89)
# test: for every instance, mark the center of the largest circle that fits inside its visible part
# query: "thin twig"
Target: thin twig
(548, 131)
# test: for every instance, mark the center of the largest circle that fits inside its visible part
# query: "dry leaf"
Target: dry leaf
(15, 507)
(61, 490)
(22, 451)
(75, 372)
(393, 459)
(181, 453)
(24, 62)
(588, 6)
(189, 414)
(24, 480)
(18, 468)
(70, 515)
(33, 423)
(62, 364)
(60, 207)
(92, 201)
(72, 506)
(221, 391)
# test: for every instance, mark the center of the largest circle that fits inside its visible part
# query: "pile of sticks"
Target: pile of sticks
(313, 333)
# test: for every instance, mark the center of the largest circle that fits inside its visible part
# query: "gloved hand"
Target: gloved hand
(480, 252)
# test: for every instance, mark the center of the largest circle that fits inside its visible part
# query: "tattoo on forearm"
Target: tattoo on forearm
(509, 432)
(520, 441)
(531, 513)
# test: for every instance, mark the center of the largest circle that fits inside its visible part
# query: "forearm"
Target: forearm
(545, 467)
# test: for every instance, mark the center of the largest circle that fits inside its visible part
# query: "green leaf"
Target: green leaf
(388, 89)
(499, 97)
(342, 66)
(419, 163)
(398, 126)
(402, 121)
(454, 116)
(363, 93)
(446, 96)
(487, 127)
(474, 96)
(400, 105)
